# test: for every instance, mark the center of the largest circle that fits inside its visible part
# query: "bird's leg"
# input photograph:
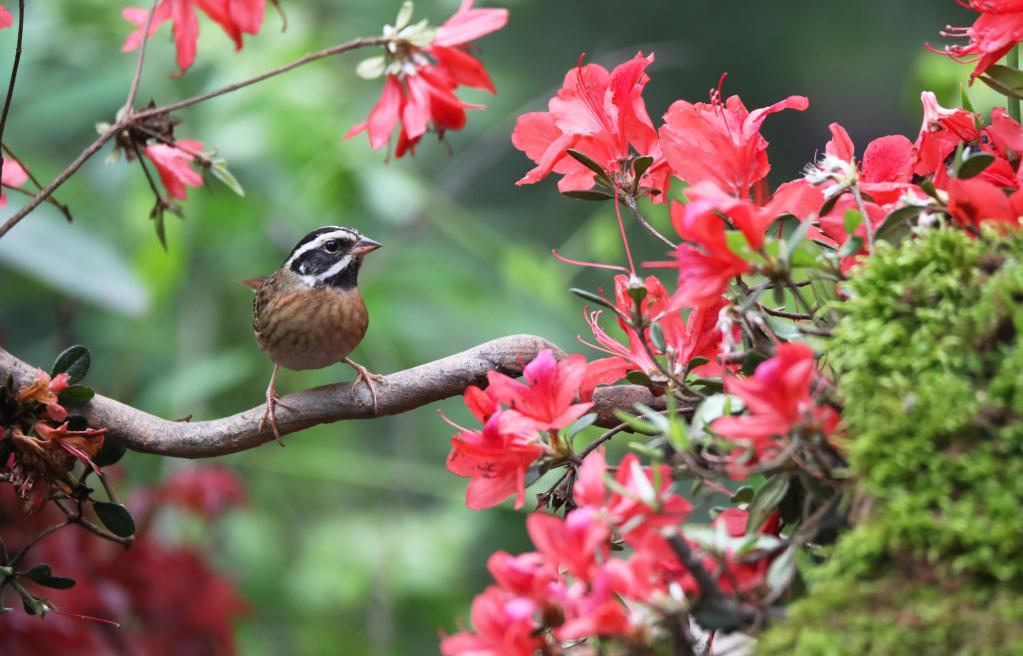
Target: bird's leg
(272, 401)
(366, 377)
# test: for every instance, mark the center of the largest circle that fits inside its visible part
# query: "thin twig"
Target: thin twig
(855, 189)
(796, 316)
(137, 77)
(35, 540)
(600, 440)
(53, 200)
(76, 517)
(14, 76)
(630, 202)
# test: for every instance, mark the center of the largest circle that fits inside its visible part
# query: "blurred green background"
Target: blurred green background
(355, 539)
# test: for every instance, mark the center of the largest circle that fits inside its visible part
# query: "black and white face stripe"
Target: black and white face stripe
(325, 257)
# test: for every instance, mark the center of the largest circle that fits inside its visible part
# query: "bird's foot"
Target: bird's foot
(366, 377)
(270, 414)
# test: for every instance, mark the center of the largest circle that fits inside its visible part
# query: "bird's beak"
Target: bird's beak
(365, 245)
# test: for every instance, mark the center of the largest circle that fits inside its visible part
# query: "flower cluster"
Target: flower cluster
(423, 68)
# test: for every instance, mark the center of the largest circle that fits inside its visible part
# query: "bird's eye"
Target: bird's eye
(332, 246)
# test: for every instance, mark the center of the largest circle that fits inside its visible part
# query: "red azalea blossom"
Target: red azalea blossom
(974, 201)
(207, 490)
(887, 165)
(174, 164)
(578, 543)
(46, 390)
(235, 17)
(503, 625)
(6, 20)
(601, 115)
(995, 32)
(736, 573)
(526, 575)
(495, 460)
(592, 609)
(546, 400)
(778, 399)
(720, 141)
(423, 92)
(12, 175)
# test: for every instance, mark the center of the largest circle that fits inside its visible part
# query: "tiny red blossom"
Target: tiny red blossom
(12, 175)
(174, 165)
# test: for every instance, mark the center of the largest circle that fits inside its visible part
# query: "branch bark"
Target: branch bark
(397, 393)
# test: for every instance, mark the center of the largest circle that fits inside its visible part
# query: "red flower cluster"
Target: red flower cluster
(995, 32)
(174, 165)
(778, 397)
(235, 17)
(572, 588)
(423, 72)
(165, 597)
(519, 420)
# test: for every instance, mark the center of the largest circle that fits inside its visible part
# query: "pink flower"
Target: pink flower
(174, 164)
(6, 20)
(601, 115)
(503, 625)
(419, 89)
(778, 399)
(13, 175)
(545, 400)
(593, 609)
(998, 28)
(720, 142)
(577, 543)
(526, 575)
(646, 506)
(496, 462)
(235, 17)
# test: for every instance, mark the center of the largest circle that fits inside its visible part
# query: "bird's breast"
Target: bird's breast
(310, 328)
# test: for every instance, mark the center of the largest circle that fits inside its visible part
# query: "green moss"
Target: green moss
(927, 362)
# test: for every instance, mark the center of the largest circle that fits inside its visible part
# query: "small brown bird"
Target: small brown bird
(309, 314)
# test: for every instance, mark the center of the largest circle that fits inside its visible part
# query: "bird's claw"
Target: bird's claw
(367, 378)
(270, 413)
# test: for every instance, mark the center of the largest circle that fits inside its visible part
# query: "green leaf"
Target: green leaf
(657, 336)
(640, 165)
(752, 361)
(737, 242)
(829, 203)
(897, 226)
(111, 453)
(696, 362)
(743, 495)
(851, 246)
(1005, 80)
(791, 247)
(766, 500)
(220, 172)
(581, 424)
(115, 517)
(590, 194)
(76, 396)
(852, 220)
(585, 160)
(716, 614)
(974, 165)
(639, 378)
(637, 424)
(39, 572)
(75, 360)
(593, 298)
(781, 571)
(965, 98)
(43, 575)
(371, 68)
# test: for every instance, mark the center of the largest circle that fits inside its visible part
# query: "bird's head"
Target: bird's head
(330, 257)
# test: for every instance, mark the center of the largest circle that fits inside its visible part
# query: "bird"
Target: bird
(309, 314)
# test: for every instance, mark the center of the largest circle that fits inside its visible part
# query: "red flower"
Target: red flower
(235, 17)
(720, 142)
(503, 626)
(206, 490)
(174, 164)
(974, 201)
(778, 399)
(525, 575)
(887, 165)
(646, 506)
(941, 132)
(46, 390)
(998, 28)
(496, 462)
(421, 80)
(13, 175)
(6, 20)
(577, 543)
(704, 272)
(592, 609)
(545, 400)
(599, 114)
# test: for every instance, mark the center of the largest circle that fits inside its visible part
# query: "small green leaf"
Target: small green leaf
(75, 360)
(371, 68)
(585, 160)
(593, 298)
(766, 500)
(974, 165)
(640, 165)
(220, 172)
(829, 203)
(582, 423)
(781, 571)
(697, 362)
(637, 424)
(852, 220)
(639, 378)
(57, 582)
(584, 194)
(898, 225)
(743, 495)
(39, 572)
(76, 396)
(111, 453)
(793, 241)
(965, 98)
(716, 614)
(657, 336)
(115, 517)
(1005, 80)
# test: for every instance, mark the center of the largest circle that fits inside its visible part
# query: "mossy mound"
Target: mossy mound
(931, 378)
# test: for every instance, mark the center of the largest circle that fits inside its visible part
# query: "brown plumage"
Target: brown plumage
(309, 314)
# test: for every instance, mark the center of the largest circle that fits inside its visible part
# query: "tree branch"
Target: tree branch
(137, 77)
(397, 393)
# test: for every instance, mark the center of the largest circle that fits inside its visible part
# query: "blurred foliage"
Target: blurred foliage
(355, 535)
(927, 357)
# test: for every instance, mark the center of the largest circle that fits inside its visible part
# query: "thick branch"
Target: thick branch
(398, 392)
